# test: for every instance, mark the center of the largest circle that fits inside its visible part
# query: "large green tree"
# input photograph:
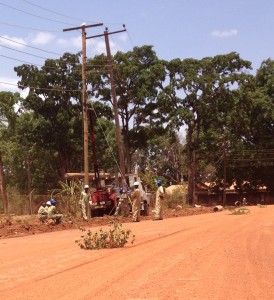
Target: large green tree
(138, 74)
(200, 94)
(8, 115)
(55, 100)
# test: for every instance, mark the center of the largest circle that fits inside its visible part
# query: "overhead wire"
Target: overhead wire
(52, 11)
(39, 88)
(63, 15)
(28, 28)
(26, 45)
(105, 137)
(37, 16)
(10, 48)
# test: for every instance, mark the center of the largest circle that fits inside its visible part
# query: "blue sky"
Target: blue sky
(176, 28)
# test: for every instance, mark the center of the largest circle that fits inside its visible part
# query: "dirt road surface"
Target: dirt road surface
(209, 256)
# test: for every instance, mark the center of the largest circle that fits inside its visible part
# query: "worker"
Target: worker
(53, 214)
(48, 204)
(136, 205)
(118, 210)
(84, 201)
(43, 212)
(158, 211)
(122, 208)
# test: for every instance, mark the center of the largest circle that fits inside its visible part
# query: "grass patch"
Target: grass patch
(240, 211)
(262, 205)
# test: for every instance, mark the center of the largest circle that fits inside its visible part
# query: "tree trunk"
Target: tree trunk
(3, 186)
(191, 166)
(128, 158)
(191, 176)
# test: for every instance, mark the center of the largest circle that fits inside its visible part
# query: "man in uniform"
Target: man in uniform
(84, 200)
(52, 213)
(136, 205)
(43, 212)
(158, 211)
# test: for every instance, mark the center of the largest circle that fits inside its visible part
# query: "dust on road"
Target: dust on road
(208, 256)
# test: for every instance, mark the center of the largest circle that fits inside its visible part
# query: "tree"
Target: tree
(199, 95)
(8, 102)
(54, 98)
(138, 75)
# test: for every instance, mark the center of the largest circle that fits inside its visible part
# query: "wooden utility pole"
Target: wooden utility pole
(84, 96)
(115, 108)
(224, 166)
(114, 99)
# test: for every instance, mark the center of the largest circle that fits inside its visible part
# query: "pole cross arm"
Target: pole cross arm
(86, 26)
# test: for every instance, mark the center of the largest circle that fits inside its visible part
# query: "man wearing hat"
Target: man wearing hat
(52, 212)
(136, 205)
(158, 211)
(84, 200)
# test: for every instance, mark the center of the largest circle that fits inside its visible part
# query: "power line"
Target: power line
(28, 28)
(62, 15)
(5, 38)
(44, 18)
(22, 51)
(39, 88)
(52, 11)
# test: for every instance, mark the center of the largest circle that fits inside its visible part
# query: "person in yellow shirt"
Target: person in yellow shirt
(52, 212)
(84, 201)
(43, 212)
(158, 211)
(136, 205)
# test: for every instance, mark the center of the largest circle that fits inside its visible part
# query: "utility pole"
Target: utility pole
(84, 96)
(114, 99)
(224, 166)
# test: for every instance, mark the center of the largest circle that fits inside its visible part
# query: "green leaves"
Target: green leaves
(115, 237)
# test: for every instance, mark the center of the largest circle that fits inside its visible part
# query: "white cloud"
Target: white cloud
(123, 37)
(42, 38)
(75, 42)
(8, 84)
(13, 42)
(224, 34)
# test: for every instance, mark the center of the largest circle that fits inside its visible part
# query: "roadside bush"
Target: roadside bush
(115, 237)
(70, 195)
(240, 211)
(177, 197)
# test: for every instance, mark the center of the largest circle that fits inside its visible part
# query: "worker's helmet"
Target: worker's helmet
(49, 203)
(136, 183)
(86, 186)
(159, 181)
(120, 190)
(52, 201)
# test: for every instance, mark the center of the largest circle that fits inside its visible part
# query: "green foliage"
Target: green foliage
(115, 237)
(262, 205)
(70, 195)
(138, 76)
(240, 211)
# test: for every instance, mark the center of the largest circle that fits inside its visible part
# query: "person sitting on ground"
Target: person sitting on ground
(43, 212)
(52, 212)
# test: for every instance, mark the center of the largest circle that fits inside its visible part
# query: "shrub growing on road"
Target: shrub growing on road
(115, 237)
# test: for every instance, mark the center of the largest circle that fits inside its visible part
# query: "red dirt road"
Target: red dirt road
(209, 256)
